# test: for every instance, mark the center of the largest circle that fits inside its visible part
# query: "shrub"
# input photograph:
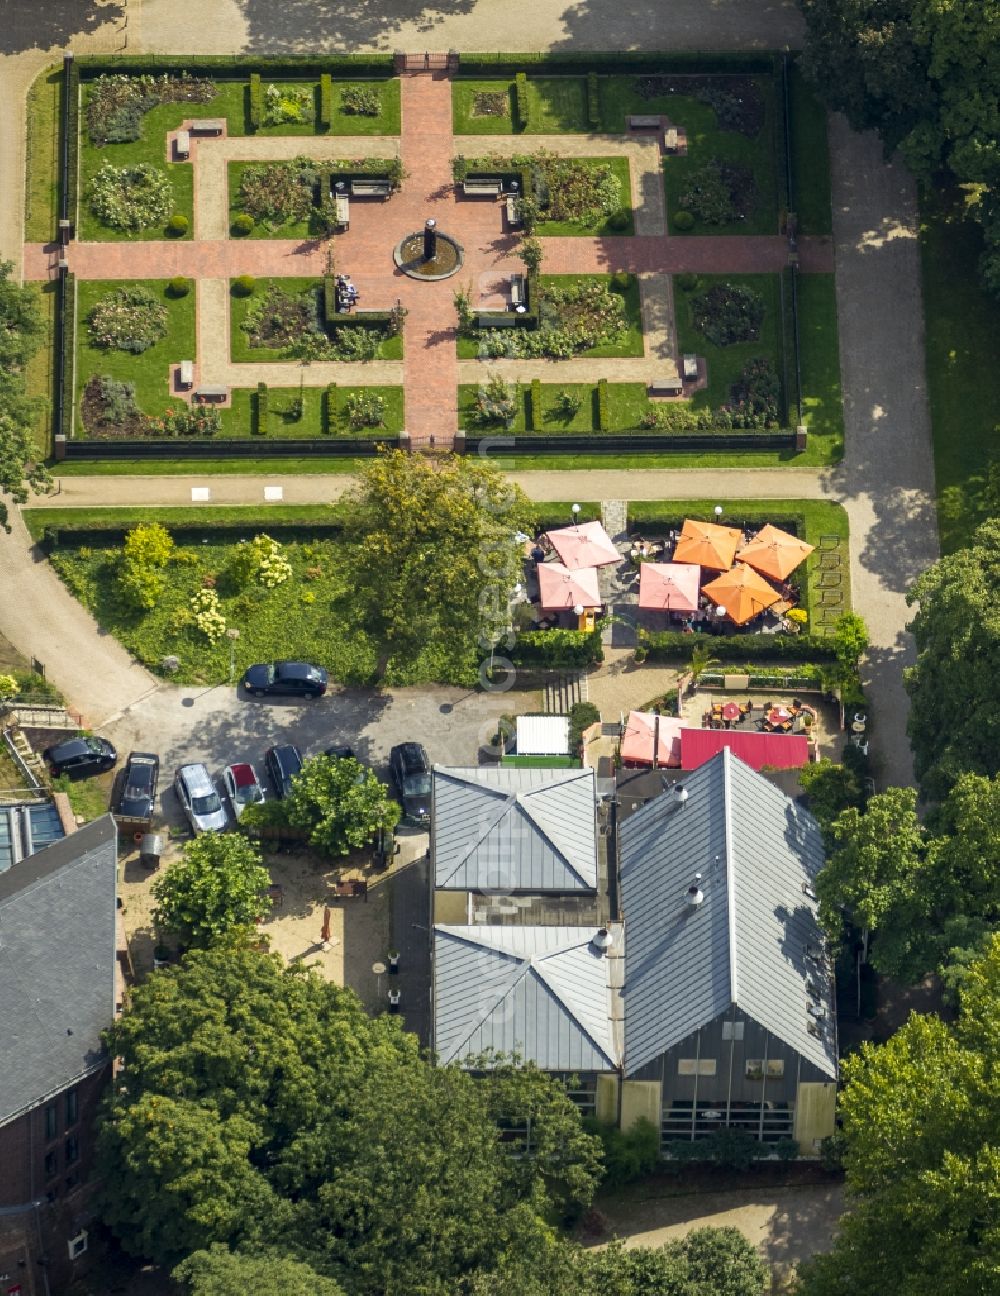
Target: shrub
(628, 1155)
(146, 551)
(531, 254)
(581, 716)
(177, 225)
(133, 197)
(568, 403)
(243, 224)
(361, 101)
(786, 1149)
(287, 105)
(256, 102)
(207, 615)
(718, 193)
(330, 409)
(618, 220)
(276, 193)
(522, 108)
(687, 282)
(559, 648)
(683, 220)
(496, 401)
(179, 286)
(325, 100)
(728, 313)
(261, 409)
(593, 102)
(603, 407)
(243, 286)
(620, 281)
(365, 409)
(127, 319)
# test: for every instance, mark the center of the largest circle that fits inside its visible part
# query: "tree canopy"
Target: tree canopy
(259, 1106)
(21, 330)
(434, 561)
(340, 803)
(954, 721)
(921, 1115)
(924, 73)
(218, 886)
(221, 1272)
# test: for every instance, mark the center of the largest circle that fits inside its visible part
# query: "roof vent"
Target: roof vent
(680, 794)
(816, 1012)
(602, 940)
(808, 890)
(695, 895)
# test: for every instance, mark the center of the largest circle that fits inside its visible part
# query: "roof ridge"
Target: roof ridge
(566, 1007)
(727, 805)
(532, 815)
(504, 803)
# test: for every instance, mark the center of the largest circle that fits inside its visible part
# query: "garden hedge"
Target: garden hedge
(136, 450)
(593, 102)
(557, 648)
(603, 412)
(535, 405)
(329, 297)
(671, 645)
(256, 102)
(522, 108)
(325, 100)
(236, 67)
(67, 309)
(260, 410)
(612, 61)
(329, 423)
(70, 144)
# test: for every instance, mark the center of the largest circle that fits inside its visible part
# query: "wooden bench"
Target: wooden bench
(665, 387)
(182, 144)
(208, 126)
(518, 290)
(513, 215)
(342, 211)
(371, 188)
(640, 122)
(671, 140)
(352, 888)
(211, 393)
(482, 188)
(187, 373)
(689, 368)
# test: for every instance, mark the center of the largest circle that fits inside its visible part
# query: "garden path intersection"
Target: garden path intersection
(430, 369)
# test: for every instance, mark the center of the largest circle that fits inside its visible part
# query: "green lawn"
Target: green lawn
(41, 198)
(620, 167)
(36, 520)
(725, 364)
(150, 371)
(243, 353)
(40, 370)
(962, 340)
(822, 398)
(386, 123)
(238, 421)
(810, 156)
(290, 230)
(558, 106)
(627, 402)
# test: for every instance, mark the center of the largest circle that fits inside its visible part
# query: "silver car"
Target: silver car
(199, 799)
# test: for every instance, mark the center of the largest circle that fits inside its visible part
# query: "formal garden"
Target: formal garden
(295, 319)
(558, 195)
(289, 200)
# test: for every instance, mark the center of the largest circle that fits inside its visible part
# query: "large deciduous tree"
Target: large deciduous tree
(221, 1272)
(217, 887)
(340, 803)
(921, 1116)
(954, 721)
(434, 561)
(21, 330)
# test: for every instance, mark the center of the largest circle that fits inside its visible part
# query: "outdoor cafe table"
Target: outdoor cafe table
(778, 716)
(731, 711)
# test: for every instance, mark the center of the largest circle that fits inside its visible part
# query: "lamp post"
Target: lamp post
(718, 512)
(575, 510)
(232, 635)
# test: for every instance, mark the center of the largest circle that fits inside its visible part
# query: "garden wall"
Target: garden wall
(498, 443)
(611, 61)
(227, 448)
(237, 67)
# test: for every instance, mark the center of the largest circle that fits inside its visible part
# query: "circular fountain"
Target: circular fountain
(428, 254)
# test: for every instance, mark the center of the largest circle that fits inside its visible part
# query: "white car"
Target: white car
(242, 787)
(199, 799)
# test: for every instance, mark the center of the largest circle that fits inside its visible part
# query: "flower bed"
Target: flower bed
(288, 104)
(116, 105)
(285, 320)
(726, 313)
(562, 195)
(128, 319)
(131, 197)
(274, 194)
(719, 193)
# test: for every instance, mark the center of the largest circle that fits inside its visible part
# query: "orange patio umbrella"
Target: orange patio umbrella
(707, 544)
(774, 552)
(742, 593)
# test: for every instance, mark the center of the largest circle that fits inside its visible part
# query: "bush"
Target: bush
(495, 402)
(243, 286)
(128, 319)
(568, 403)
(261, 410)
(628, 1155)
(671, 645)
(718, 193)
(330, 409)
(581, 716)
(177, 225)
(131, 197)
(687, 282)
(361, 101)
(287, 105)
(243, 224)
(277, 193)
(256, 102)
(618, 220)
(558, 648)
(365, 409)
(787, 1149)
(522, 108)
(603, 406)
(325, 100)
(620, 281)
(593, 102)
(179, 286)
(535, 406)
(683, 220)
(831, 1151)
(728, 313)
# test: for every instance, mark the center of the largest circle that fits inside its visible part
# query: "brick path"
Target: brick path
(430, 369)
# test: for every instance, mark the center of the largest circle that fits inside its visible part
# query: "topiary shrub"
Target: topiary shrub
(618, 220)
(178, 286)
(683, 220)
(244, 285)
(242, 224)
(687, 282)
(522, 111)
(325, 100)
(593, 102)
(177, 225)
(603, 408)
(620, 281)
(256, 101)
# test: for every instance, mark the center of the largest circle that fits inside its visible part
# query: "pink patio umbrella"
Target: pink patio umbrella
(586, 545)
(669, 587)
(644, 728)
(561, 590)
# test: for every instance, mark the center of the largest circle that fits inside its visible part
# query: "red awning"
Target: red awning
(779, 751)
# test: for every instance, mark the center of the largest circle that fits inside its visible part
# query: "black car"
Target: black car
(142, 773)
(282, 764)
(81, 757)
(285, 679)
(411, 771)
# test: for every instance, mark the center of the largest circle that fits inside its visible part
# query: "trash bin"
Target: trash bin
(150, 850)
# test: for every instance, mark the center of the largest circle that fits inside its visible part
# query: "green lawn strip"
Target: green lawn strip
(822, 399)
(386, 123)
(619, 166)
(463, 98)
(289, 230)
(810, 156)
(244, 353)
(37, 520)
(41, 206)
(962, 342)
(248, 465)
(559, 461)
(88, 798)
(229, 102)
(627, 402)
(40, 370)
(237, 421)
(150, 371)
(725, 364)
(557, 106)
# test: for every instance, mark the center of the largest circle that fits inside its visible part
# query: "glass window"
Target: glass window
(72, 1149)
(51, 1164)
(696, 1066)
(757, 1068)
(732, 1030)
(51, 1121)
(72, 1107)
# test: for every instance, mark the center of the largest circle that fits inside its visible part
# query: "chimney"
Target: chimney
(695, 895)
(602, 941)
(680, 795)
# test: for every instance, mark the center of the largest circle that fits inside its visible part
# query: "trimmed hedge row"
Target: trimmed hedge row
(603, 411)
(325, 100)
(136, 450)
(671, 645)
(611, 61)
(522, 108)
(329, 408)
(235, 67)
(534, 420)
(260, 410)
(70, 144)
(329, 297)
(256, 102)
(558, 648)
(593, 102)
(67, 307)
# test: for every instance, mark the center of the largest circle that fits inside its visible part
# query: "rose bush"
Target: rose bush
(134, 197)
(128, 319)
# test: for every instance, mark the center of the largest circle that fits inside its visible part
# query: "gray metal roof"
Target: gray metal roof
(542, 992)
(749, 942)
(500, 828)
(57, 965)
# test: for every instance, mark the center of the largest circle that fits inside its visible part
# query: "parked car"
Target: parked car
(283, 763)
(411, 771)
(142, 773)
(242, 787)
(199, 799)
(285, 679)
(81, 757)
